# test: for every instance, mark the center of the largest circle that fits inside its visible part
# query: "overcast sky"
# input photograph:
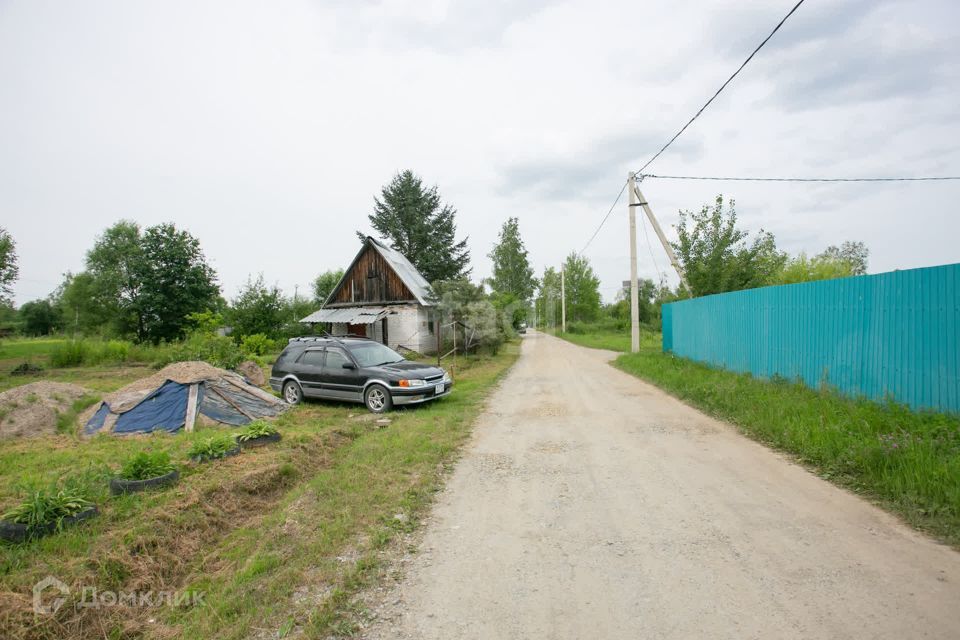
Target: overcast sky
(266, 129)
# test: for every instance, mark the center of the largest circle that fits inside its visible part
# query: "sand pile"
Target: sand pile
(32, 409)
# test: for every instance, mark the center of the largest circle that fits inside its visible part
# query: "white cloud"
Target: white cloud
(266, 130)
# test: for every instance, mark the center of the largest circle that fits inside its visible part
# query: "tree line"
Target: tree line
(152, 284)
(717, 256)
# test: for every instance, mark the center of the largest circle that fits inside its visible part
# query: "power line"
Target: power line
(722, 87)
(604, 221)
(747, 179)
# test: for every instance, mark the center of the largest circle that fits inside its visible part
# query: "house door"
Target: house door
(357, 329)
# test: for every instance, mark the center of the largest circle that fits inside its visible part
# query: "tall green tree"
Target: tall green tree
(414, 221)
(324, 283)
(39, 317)
(114, 264)
(512, 273)
(582, 289)
(717, 256)
(513, 283)
(9, 270)
(80, 309)
(147, 283)
(257, 309)
(851, 252)
(175, 281)
(647, 310)
(548, 298)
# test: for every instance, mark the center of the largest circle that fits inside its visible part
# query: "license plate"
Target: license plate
(439, 389)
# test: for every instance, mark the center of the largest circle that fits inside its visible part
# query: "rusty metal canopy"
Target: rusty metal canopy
(348, 315)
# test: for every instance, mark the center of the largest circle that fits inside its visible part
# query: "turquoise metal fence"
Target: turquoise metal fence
(892, 334)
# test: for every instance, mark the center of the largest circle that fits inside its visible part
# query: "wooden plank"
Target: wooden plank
(229, 401)
(257, 391)
(191, 415)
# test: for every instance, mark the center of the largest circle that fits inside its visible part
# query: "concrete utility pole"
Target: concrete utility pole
(634, 294)
(634, 190)
(563, 301)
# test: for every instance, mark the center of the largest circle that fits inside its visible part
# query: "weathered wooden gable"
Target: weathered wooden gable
(370, 279)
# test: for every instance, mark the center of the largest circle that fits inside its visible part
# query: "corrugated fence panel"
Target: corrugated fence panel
(891, 334)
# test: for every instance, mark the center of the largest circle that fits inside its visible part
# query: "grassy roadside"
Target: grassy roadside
(906, 461)
(276, 539)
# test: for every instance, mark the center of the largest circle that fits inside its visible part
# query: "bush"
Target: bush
(43, 508)
(145, 465)
(219, 351)
(257, 429)
(70, 354)
(257, 344)
(215, 447)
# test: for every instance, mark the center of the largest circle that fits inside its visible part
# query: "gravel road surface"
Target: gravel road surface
(592, 505)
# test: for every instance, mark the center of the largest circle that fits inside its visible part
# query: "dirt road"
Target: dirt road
(591, 505)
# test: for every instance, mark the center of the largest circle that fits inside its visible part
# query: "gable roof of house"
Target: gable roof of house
(414, 280)
(408, 274)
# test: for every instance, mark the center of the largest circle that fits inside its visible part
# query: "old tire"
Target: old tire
(229, 454)
(14, 532)
(260, 442)
(292, 392)
(377, 398)
(119, 485)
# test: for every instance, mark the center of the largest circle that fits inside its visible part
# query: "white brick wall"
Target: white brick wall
(407, 325)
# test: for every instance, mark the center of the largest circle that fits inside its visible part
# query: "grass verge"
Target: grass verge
(273, 540)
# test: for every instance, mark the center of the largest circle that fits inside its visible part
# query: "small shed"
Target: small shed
(381, 296)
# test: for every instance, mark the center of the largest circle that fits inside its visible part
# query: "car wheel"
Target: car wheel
(292, 392)
(377, 398)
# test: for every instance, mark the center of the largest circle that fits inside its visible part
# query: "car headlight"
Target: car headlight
(412, 383)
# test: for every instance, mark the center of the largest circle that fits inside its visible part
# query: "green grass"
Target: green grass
(31, 349)
(906, 461)
(609, 340)
(277, 538)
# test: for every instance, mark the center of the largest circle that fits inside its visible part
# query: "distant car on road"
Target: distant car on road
(522, 328)
(355, 370)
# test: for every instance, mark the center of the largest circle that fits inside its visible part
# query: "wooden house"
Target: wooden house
(381, 296)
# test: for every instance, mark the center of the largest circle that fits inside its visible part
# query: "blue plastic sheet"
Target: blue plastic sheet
(165, 409)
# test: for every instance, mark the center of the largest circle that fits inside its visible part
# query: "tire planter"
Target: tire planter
(261, 441)
(119, 485)
(228, 454)
(16, 532)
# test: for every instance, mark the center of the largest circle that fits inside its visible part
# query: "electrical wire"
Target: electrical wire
(722, 87)
(746, 179)
(604, 221)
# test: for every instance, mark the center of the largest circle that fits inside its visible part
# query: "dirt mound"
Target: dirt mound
(32, 409)
(127, 397)
(252, 372)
